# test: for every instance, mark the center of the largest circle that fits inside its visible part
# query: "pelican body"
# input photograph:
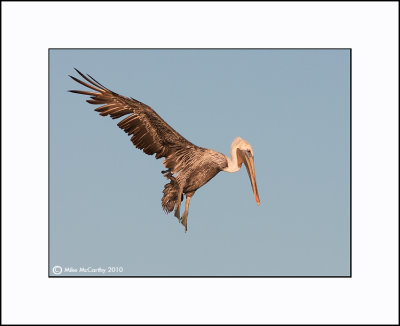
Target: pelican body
(189, 167)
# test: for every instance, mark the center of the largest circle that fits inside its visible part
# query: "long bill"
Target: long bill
(248, 161)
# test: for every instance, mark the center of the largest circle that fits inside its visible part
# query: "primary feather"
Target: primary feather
(149, 131)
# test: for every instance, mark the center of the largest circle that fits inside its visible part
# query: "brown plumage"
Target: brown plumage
(188, 166)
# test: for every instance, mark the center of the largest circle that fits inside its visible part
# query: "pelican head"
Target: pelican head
(242, 152)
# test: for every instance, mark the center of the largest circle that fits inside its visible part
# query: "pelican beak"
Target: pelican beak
(248, 161)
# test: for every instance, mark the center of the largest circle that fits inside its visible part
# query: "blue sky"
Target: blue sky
(292, 106)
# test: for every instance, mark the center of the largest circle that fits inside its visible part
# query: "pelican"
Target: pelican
(188, 167)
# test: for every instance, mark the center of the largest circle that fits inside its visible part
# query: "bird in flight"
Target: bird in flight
(188, 167)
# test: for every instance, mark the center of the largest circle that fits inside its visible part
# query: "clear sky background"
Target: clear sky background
(292, 106)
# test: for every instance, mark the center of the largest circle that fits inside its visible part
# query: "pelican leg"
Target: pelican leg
(178, 205)
(186, 212)
(167, 173)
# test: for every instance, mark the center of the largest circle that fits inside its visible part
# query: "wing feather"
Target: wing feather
(149, 131)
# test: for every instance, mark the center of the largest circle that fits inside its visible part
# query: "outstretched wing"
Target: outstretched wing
(149, 131)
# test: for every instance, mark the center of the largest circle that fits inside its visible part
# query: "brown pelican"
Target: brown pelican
(188, 166)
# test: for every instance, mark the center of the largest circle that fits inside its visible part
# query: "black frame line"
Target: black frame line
(190, 276)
